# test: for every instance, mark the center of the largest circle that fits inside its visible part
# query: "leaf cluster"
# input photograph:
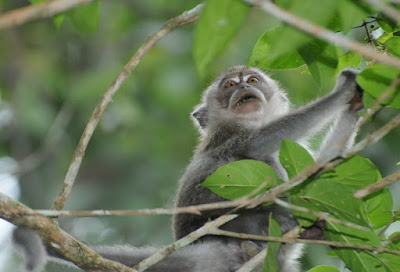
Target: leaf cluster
(331, 192)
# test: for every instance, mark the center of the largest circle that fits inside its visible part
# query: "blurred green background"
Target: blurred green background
(145, 138)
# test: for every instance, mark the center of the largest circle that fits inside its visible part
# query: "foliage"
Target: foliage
(136, 156)
(283, 47)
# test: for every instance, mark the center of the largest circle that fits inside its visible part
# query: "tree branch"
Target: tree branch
(320, 215)
(303, 241)
(188, 17)
(322, 33)
(37, 11)
(208, 228)
(55, 238)
(387, 181)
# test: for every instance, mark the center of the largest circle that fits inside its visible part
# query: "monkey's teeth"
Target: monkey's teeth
(246, 99)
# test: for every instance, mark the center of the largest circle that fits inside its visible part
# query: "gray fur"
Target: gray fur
(244, 120)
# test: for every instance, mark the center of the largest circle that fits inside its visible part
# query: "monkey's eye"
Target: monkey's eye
(252, 80)
(230, 84)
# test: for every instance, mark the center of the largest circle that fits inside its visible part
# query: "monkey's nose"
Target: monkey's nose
(244, 86)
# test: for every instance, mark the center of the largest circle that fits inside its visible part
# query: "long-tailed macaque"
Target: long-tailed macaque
(244, 114)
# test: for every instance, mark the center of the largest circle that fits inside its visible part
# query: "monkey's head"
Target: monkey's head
(241, 94)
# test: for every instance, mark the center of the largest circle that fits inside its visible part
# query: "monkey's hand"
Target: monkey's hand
(356, 102)
(314, 232)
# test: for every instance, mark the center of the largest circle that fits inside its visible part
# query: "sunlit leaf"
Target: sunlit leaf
(358, 172)
(240, 178)
(294, 158)
(349, 59)
(324, 268)
(328, 196)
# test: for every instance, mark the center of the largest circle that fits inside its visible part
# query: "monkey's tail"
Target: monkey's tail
(30, 245)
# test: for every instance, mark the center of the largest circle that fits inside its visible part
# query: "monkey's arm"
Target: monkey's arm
(340, 136)
(305, 121)
(343, 132)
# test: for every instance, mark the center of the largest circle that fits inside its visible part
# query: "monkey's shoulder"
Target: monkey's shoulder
(224, 138)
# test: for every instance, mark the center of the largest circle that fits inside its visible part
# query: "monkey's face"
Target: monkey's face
(243, 93)
(238, 94)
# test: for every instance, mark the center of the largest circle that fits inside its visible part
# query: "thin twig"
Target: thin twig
(185, 18)
(37, 11)
(387, 181)
(320, 215)
(322, 33)
(304, 241)
(208, 228)
(386, 9)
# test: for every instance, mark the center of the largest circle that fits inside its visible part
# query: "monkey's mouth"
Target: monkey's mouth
(246, 103)
(247, 98)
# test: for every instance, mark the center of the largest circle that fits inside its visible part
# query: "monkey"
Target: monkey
(245, 114)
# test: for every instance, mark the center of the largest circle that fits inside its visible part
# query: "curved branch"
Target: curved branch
(37, 11)
(185, 18)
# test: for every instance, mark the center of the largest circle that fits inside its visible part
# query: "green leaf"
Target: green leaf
(393, 45)
(328, 196)
(391, 261)
(351, 13)
(357, 261)
(85, 18)
(240, 178)
(218, 23)
(263, 57)
(348, 59)
(59, 19)
(272, 51)
(271, 261)
(394, 244)
(324, 268)
(294, 158)
(387, 24)
(376, 79)
(378, 208)
(322, 61)
(320, 12)
(358, 172)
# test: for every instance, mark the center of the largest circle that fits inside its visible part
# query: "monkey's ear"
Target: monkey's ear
(200, 116)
